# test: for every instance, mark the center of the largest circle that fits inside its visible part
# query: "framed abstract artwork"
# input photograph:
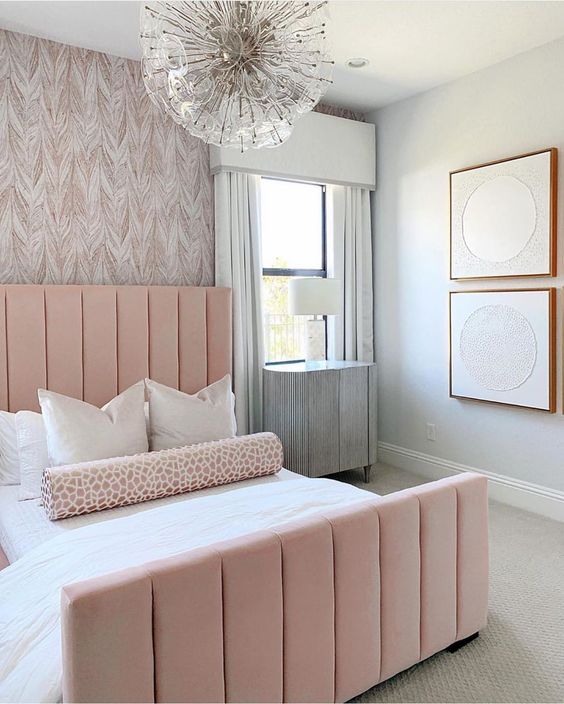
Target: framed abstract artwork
(503, 218)
(502, 347)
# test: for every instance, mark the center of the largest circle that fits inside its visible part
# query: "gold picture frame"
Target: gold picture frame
(515, 396)
(466, 183)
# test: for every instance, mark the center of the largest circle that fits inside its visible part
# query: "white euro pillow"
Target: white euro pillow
(9, 460)
(177, 419)
(33, 453)
(79, 432)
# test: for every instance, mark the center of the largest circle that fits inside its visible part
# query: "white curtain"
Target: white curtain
(238, 266)
(349, 233)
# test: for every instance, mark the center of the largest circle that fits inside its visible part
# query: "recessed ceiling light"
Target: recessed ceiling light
(357, 62)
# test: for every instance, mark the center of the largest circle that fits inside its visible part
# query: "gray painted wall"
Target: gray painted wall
(514, 107)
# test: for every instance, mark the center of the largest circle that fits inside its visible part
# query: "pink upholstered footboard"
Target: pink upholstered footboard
(316, 611)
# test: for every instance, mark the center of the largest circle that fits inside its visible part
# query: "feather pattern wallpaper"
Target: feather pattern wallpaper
(95, 185)
(338, 111)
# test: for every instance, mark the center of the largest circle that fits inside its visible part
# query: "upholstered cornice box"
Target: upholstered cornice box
(321, 149)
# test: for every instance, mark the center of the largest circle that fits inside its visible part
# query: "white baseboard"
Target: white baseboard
(525, 495)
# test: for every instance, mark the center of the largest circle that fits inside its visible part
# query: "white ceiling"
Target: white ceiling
(412, 46)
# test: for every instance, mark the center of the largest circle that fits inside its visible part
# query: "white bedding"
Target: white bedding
(30, 651)
(24, 524)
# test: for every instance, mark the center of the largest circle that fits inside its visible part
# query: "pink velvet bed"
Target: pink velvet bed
(318, 610)
(92, 342)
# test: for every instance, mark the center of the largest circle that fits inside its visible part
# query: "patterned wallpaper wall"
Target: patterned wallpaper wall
(338, 111)
(95, 185)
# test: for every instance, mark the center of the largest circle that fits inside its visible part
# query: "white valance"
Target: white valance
(322, 149)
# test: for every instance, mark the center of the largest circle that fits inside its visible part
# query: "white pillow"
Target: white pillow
(177, 419)
(33, 454)
(79, 432)
(9, 460)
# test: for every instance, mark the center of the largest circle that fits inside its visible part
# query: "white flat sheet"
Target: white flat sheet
(30, 649)
(24, 524)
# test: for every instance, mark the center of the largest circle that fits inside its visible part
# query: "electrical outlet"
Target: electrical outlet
(431, 432)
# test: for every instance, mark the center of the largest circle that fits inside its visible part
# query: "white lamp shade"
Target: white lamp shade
(314, 296)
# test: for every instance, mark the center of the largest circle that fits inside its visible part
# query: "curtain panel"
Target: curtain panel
(349, 259)
(238, 265)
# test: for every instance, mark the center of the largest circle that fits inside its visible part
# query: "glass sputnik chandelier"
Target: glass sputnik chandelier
(234, 72)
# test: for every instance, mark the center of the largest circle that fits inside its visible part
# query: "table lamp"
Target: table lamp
(317, 297)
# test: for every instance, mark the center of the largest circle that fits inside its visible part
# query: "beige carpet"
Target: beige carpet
(519, 657)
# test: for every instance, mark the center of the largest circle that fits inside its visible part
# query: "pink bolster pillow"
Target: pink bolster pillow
(94, 486)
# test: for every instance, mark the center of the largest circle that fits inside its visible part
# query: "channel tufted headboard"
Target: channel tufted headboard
(92, 342)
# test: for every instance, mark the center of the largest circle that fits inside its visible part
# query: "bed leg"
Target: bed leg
(461, 643)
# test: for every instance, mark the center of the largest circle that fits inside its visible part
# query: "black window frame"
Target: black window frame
(321, 273)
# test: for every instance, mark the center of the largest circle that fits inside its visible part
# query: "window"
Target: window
(293, 245)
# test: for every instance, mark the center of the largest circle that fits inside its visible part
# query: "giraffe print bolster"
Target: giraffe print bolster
(72, 490)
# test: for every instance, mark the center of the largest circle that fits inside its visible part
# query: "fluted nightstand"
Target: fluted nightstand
(324, 413)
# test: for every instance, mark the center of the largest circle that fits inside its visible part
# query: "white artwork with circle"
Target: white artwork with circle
(502, 218)
(501, 345)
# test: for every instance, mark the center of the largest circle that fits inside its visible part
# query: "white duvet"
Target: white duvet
(30, 650)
